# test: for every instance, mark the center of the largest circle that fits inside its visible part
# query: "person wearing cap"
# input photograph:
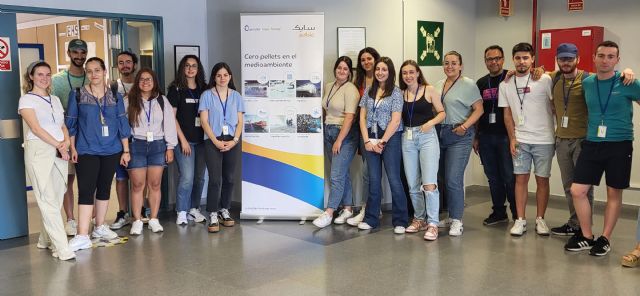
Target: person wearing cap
(62, 84)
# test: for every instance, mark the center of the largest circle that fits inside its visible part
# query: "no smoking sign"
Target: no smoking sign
(5, 54)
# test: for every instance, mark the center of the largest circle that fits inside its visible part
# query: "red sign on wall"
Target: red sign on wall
(505, 7)
(5, 54)
(575, 5)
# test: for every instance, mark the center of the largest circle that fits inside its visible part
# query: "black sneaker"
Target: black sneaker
(494, 219)
(601, 247)
(579, 243)
(565, 230)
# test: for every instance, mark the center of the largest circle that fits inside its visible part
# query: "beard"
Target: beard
(523, 69)
(571, 69)
(78, 62)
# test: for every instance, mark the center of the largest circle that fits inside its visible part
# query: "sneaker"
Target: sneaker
(444, 223)
(136, 227)
(494, 219)
(541, 227)
(363, 226)
(122, 220)
(355, 220)
(579, 243)
(42, 244)
(103, 231)
(182, 218)
(224, 215)
(214, 226)
(432, 232)
(155, 226)
(565, 230)
(71, 228)
(195, 215)
(323, 220)
(519, 227)
(399, 230)
(456, 228)
(80, 242)
(64, 256)
(416, 225)
(344, 215)
(600, 247)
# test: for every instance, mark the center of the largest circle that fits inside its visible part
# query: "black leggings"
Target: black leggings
(95, 174)
(222, 168)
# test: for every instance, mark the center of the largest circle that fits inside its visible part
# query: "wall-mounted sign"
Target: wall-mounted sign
(505, 8)
(5, 54)
(575, 5)
(430, 37)
(73, 31)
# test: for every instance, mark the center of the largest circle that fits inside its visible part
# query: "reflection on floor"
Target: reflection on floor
(284, 258)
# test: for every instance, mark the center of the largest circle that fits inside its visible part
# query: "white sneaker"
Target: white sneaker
(399, 230)
(42, 244)
(519, 227)
(71, 228)
(195, 215)
(80, 242)
(355, 220)
(444, 223)
(323, 220)
(182, 218)
(456, 228)
(155, 226)
(103, 231)
(541, 227)
(122, 220)
(363, 226)
(136, 227)
(342, 218)
(64, 256)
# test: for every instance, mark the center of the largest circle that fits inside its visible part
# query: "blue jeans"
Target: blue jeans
(191, 170)
(391, 157)
(454, 152)
(421, 156)
(365, 169)
(341, 191)
(498, 166)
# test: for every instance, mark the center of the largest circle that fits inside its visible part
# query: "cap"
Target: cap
(567, 50)
(78, 44)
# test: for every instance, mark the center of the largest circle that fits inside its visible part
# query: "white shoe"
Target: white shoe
(195, 215)
(80, 242)
(444, 223)
(182, 218)
(71, 228)
(323, 220)
(121, 221)
(355, 220)
(155, 226)
(136, 227)
(342, 218)
(541, 227)
(519, 227)
(399, 230)
(364, 226)
(64, 256)
(44, 244)
(103, 231)
(456, 228)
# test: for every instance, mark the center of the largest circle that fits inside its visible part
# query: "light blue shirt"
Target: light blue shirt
(382, 113)
(458, 100)
(210, 102)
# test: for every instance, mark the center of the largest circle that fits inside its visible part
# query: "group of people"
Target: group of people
(515, 120)
(78, 123)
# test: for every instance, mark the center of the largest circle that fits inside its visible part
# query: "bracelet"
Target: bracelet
(125, 152)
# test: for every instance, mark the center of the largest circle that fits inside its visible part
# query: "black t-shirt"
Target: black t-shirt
(422, 112)
(489, 90)
(186, 101)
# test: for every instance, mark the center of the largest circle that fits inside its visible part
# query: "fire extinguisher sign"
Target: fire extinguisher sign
(5, 54)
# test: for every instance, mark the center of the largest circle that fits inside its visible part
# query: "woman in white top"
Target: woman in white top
(46, 153)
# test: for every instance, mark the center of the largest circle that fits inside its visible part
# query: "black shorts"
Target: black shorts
(611, 158)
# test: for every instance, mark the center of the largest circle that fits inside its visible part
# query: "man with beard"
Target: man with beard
(529, 122)
(62, 84)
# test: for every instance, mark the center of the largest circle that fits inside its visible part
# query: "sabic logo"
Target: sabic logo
(246, 28)
(303, 28)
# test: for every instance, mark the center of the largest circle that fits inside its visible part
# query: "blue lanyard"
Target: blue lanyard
(48, 101)
(84, 77)
(103, 108)
(224, 105)
(495, 98)
(410, 112)
(330, 91)
(444, 94)
(603, 109)
(191, 93)
(148, 114)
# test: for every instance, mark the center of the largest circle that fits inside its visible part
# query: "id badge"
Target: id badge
(492, 117)
(602, 131)
(105, 130)
(409, 134)
(374, 141)
(149, 136)
(565, 121)
(198, 121)
(520, 119)
(225, 130)
(374, 129)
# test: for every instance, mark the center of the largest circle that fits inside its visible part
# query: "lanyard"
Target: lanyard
(603, 109)
(84, 77)
(224, 105)
(524, 91)
(494, 98)
(148, 114)
(444, 94)
(48, 101)
(410, 112)
(376, 104)
(330, 91)
(103, 108)
(191, 93)
(565, 94)
(123, 87)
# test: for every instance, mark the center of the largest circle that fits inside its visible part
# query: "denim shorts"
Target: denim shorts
(121, 173)
(145, 154)
(540, 154)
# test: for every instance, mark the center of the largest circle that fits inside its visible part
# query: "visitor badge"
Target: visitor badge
(409, 134)
(198, 121)
(492, 117)
(520, 119)
(225, 130)
(105, 130)
(565, 121)
(602, 131)
(149, 136)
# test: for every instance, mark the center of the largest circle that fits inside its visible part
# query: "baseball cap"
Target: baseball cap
(567, 50)
(78, 44)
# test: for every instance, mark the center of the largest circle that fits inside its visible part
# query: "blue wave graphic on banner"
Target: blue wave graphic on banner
(278, 176)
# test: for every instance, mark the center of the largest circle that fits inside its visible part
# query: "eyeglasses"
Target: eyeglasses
(190, 66)
(146, 80)
(494, 59)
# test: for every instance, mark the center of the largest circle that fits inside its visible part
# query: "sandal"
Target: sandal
(631, 259)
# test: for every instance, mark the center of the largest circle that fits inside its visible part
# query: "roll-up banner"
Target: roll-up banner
(282, 149)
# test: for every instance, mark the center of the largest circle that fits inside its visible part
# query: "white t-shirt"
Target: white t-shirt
(124, 88)
(535, 111)
(50, 116)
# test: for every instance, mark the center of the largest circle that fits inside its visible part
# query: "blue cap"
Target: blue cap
(567, 50)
